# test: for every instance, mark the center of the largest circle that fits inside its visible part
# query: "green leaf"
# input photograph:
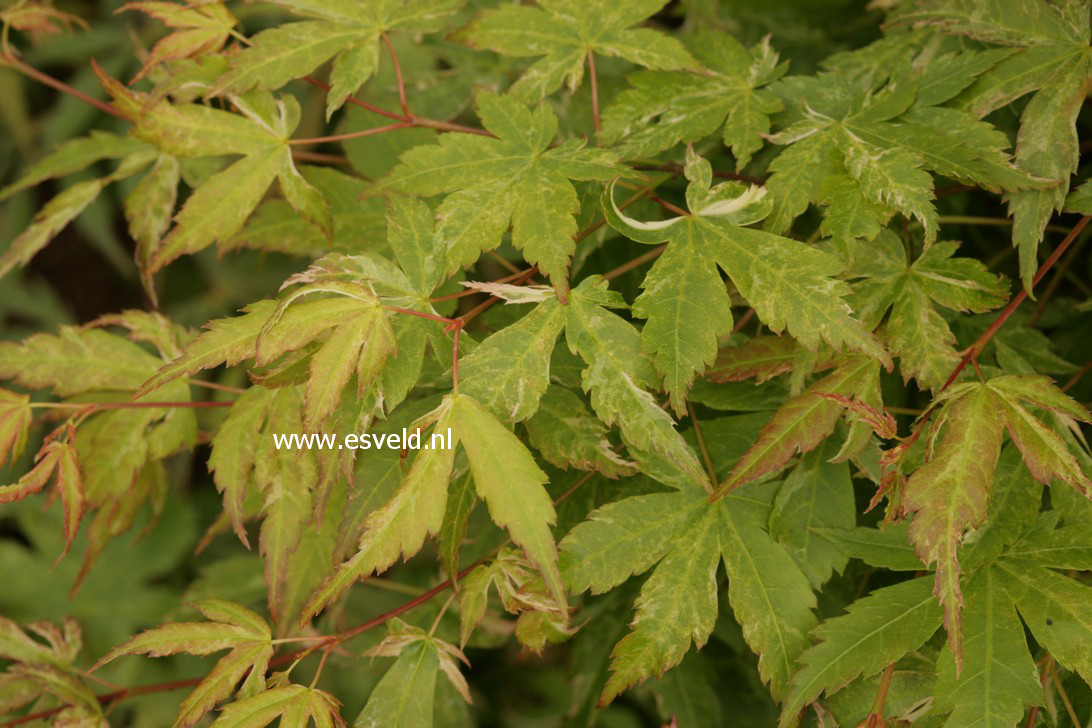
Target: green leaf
(769, 594)
(511, 484)
(624, 538)
(664, 108)
(885, 548)
(677, 605)
(76, 361)
(73, 156)
(567, 434)
(510, 370)
(219, 207)
(232, 627)
(201, 29)
(564, 33)
(876, 631)
(618, 375)
(999, 677)
(515, 179)
(399, 527)
(403, 698)
(295, 705)
(801, 423)
(816, 494)
(1056, 609)
(347, 32)
(15, 418)
(809, 303)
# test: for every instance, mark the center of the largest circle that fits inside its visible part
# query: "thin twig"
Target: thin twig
(594, 90)
(635, 263)
(397, 75)
(352, 134)
(702, 447)
(357, 102)
(1077, 377)
(1056, 280)
(28, 70)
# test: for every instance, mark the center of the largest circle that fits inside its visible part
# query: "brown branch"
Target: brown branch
(1077, 377)
(635, 263)
(976, 348)
(972, 352)
(318, 157)
(61, 86)
(1056, 280)
(356, 102)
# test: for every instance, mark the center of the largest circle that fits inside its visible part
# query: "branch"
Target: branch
(972, 352)
(61, 86)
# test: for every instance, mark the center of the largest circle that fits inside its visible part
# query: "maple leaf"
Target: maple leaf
(349, 32)
(677, 604)
(687, 304)
(881, 140)
(522, 591)
(505, 476)
(1052, 61)
(876, 631)
(804, 421)
(567, 434)
(45, 670)
(198, 30)
(230, 627)
(950, 493)
(55, 215)
(667, 107)
(515, 179)
(760, 357)
(292, 704)
(619, 376)
(510, 371)
(916, 332)
(565, 32)
(220, 206)
(15, 418)
(403, 698)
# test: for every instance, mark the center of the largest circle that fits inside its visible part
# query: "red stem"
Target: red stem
(61, 86)
(397, 75)
(357, 102)
(594, 90)
(976, 348)
(353, 134)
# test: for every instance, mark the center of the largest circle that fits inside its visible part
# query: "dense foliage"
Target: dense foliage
(794, 313)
